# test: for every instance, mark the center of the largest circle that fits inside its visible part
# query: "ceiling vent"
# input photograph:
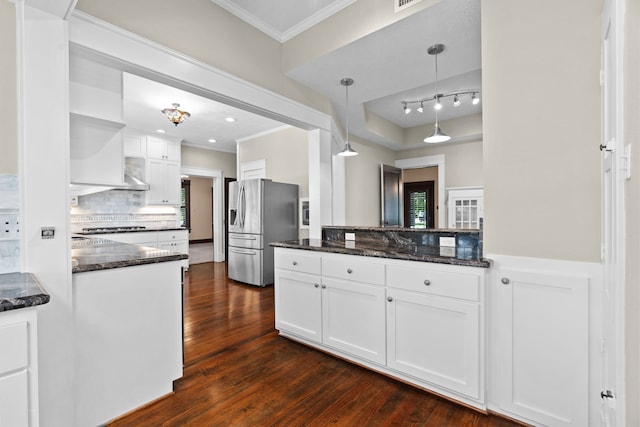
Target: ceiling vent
(403, 4)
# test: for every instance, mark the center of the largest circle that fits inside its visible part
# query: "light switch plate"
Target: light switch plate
(349, 236)
(448, 241)
(47, 232)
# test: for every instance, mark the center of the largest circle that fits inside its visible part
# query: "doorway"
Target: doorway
(419, 204)
(199, 209)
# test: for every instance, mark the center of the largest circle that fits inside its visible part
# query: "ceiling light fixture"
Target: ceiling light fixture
(438, 106)
(420, 109)
(437, 135)
(161, 131)
(212, 140)
(347, 151)
(474, 99)
(407, 110)
(230, 119)
(456, 100)
(175, 115)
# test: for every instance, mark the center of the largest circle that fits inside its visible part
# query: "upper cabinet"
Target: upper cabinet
(465, 207)
(163, 171)
(95, 103)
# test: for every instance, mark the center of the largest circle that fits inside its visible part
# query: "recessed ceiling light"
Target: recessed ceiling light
(160, 131)
(212, 140)
(230, 119)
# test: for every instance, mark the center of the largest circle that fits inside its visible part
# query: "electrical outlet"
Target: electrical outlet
(47, 232)
(447, 241)
(349, 236)
(9, 226)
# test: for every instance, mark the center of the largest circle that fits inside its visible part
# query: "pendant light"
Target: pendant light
(347, 151)
(437, 135)
(175, 115)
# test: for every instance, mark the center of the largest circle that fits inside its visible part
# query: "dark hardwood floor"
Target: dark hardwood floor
(239, 372)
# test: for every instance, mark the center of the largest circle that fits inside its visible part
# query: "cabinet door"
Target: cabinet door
(156, 178)
(172, 183)
(435, 339)
(14, 400)
(298, 304)
(353, 318)
(173, 151)
(542, 333)
(156, 148)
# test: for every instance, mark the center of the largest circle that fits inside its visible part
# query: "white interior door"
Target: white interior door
(612, 386)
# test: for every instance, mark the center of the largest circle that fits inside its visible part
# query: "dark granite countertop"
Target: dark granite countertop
(401, 229)
(376, 249)
(91, 254)
(20, 290)
(89, 233)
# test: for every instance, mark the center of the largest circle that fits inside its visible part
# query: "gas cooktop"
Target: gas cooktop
(113, 229)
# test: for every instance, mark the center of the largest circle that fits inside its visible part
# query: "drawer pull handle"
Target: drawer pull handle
(324, 286)
(427, 282)
(295, 262)
(505, 280)
(390, 299)
(349, 270)
(315, 285)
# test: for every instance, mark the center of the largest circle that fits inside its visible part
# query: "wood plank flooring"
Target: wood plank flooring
(239, 372)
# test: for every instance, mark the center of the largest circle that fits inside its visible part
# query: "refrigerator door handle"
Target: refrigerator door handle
(245, 238)
(242, 204)
(243, 252)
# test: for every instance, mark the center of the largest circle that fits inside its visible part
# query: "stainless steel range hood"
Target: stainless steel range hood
(133, 170)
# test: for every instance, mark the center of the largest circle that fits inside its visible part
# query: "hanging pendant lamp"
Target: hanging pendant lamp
(437, 135)
(347, 151)
(175, 115)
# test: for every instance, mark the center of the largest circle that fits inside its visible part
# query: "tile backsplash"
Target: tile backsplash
(9, 224)
(115, 208)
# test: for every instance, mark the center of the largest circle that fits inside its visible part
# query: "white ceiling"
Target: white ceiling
(388, 66)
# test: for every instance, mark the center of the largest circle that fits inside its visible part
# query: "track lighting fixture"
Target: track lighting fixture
(474, 99)
(420, 109)
(407, 109)
(456, 100)
(438, 106)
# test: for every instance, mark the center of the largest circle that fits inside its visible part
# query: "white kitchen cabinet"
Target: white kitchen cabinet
(128, 338)
(134, 144)
(18, 368)
(465, 207)
(435, 325)
(175, 241)
(162, 149)
(420, 322)
(353, 318)
(298, 304)
(540, 334)
(353, 304)
(163, 178)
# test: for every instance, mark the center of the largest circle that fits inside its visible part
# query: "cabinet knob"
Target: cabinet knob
(427, 282)
(315, 285)
(324, 286)
(505, 280)
(349, 270)
(295, 263)
(389, 299)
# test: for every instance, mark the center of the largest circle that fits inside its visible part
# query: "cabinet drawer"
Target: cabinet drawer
(356, 268)
(14, 338)
(444, 283)
(303, 261)
(166, 236)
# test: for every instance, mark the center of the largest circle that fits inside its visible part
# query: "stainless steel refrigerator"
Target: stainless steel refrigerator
(260, 212)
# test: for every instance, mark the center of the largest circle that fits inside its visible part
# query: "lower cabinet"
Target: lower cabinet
(435, 339)
(298, 304)
(18, 369)
(353, 318)
(428, 329)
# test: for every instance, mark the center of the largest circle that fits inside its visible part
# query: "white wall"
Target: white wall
(541, 125)
(192, 157)
(8, 90)
(286, 154)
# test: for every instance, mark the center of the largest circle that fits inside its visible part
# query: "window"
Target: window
(419, 204)
(185, 201)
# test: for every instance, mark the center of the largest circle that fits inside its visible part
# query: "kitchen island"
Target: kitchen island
(20, 295)
(406, 303)
(127, 314)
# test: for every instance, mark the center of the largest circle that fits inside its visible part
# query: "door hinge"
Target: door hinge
(625, 164)
(607, 394)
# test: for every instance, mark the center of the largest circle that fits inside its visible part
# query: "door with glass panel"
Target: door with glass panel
(419, 206)
(465, 207)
